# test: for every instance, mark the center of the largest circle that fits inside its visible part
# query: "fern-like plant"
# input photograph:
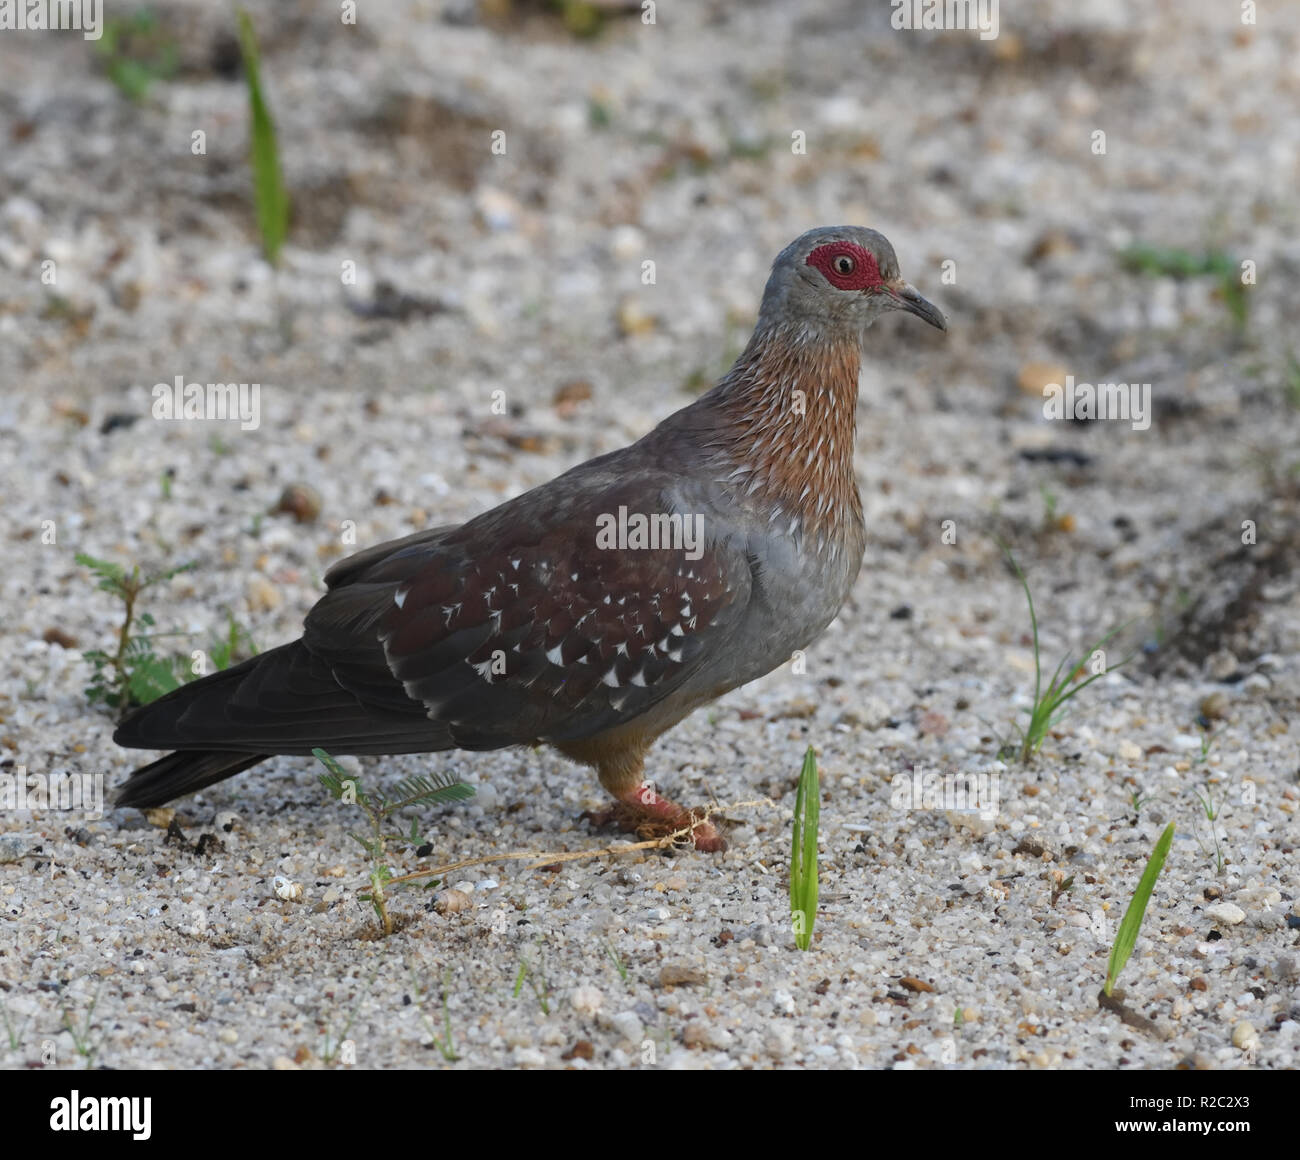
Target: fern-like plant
(133, 674)
(413, 791)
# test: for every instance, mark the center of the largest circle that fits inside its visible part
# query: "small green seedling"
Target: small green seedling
(1182, 264)
(1139, 801)
(1126, 936)
(443, 1043)
(331, 1047)
(270, 197)
(617, 960)
(803, 852)
(1293, 380)
(534, 975)
(133, 674)
(413, 791)
(1062, 886)
(86, 1046)
(135, 51)
(1053, 521)
(1212, 811)
(12, 1033)
(1206, 742)
(1049, 703)
(236, 644)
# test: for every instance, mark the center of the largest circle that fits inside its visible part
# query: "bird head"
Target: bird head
(837, 280)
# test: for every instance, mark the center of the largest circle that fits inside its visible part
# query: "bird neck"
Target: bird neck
(786, 426)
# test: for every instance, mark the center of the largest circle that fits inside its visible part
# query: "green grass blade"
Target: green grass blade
(803, 852)
(1126, 936)
(269, 195)
(1033, 617)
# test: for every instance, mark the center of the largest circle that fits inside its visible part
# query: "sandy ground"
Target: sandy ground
(237, 940)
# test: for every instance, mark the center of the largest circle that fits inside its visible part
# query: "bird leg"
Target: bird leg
(640, 808)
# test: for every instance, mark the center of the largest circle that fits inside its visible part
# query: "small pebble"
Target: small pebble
(1225, 912)
(629, 1026)
(529, 1057)
(1215, 706)
(699, 1033)
(1035, 845)
(586, 999)
(289, 891)
(452, 902)
(301, 502)
(263, 596)
(14, 847)
(1220, 665)
(778, 1040)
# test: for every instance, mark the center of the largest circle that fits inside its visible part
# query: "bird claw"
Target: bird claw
(634, 818)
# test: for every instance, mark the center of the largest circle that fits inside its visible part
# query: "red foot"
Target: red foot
(642, 811)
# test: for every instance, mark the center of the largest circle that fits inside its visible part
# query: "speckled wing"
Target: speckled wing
(506, 631)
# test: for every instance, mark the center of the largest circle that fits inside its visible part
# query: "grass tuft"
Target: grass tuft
(1050, 702)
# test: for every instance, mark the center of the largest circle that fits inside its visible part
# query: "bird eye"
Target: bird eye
(843, 265)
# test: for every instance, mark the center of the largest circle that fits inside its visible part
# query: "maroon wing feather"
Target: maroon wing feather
(526, 631)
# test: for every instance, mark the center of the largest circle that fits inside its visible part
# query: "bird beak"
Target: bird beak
(908, 299)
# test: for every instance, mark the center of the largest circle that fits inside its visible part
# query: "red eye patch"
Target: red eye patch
(864, 274)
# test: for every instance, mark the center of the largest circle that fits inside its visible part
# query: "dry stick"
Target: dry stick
(544, 859)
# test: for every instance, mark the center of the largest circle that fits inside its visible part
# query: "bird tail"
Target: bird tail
(192, 717)
(180, 773)
(283, 701)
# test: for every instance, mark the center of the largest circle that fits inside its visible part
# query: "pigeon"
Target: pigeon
(598, 610)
